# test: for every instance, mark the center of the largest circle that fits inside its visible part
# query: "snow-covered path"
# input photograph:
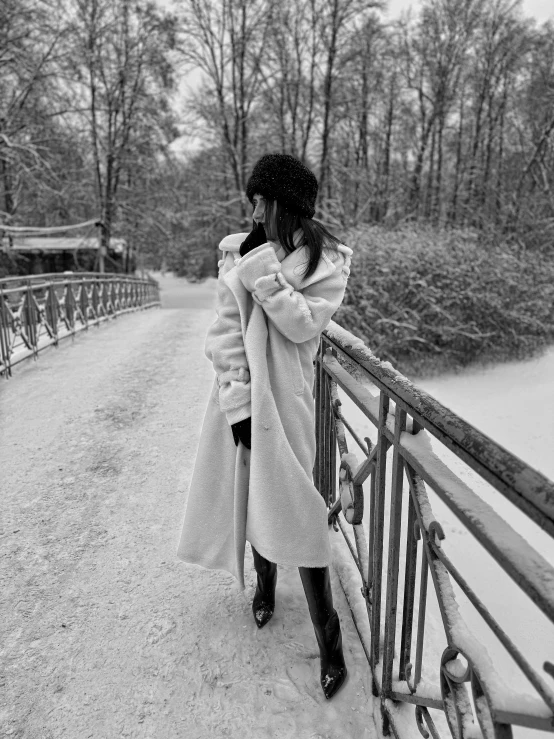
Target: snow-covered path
(103, 632)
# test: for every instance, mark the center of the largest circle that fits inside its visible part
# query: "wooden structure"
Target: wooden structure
(58, 249)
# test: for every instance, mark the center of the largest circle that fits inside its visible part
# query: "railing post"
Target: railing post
(421, 616)
(51, 312)
(409, 583)
(104, 295)
(377, 524)
(409, 591)
(95, 300)
(69, 304)
(325, 439)
(4, 341)
(318, 424)
(29, 318)
(111, 299)
(394, 553)
(333, 451)
(83, 302)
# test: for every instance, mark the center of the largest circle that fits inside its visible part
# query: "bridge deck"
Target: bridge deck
(105, 633)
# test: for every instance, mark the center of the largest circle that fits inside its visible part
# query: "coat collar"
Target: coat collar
(294, 264)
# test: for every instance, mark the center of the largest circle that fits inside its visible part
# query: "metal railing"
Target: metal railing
(399, 477)
(39, 311)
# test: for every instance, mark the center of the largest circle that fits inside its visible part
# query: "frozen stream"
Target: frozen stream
(513, 404)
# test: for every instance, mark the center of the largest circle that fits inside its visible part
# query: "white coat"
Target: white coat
(262, 346)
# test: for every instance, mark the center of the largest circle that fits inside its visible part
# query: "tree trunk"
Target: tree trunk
(327, 92)
(437, 198)
(488, 159)
(498, 195)
(472, 178)
(430, 176)
(385, 171)
(9, 201)
(453, 216)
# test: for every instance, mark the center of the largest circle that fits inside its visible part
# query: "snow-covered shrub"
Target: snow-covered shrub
(429, 301)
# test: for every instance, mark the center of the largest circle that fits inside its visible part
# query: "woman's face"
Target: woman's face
(263, 213)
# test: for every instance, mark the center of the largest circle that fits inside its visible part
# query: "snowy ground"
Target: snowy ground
(103, 632)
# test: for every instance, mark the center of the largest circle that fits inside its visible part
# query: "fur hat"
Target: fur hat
(284, 178)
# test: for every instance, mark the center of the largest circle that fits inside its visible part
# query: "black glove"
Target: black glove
(242, 432)
(255, 238)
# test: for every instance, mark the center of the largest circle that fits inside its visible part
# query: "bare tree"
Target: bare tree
(292, 57)
(226, 41)
(120, 59)
(435, 52)
(337, 19)
(29, 46)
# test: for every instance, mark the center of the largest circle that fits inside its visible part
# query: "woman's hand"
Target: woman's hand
(242, 431)
(255, 238)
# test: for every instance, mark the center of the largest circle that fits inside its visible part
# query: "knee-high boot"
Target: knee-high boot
(317, 586)
(263, 604)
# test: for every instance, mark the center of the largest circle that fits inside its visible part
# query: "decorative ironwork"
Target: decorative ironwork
(39, 311)
(404, 416)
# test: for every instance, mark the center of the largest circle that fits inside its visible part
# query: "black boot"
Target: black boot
(317, 586)
(263, 604)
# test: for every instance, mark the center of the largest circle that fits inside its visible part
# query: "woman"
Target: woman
(277, 290)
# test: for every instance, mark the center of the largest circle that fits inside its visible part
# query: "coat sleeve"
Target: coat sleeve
(299, 314)
(225, 349)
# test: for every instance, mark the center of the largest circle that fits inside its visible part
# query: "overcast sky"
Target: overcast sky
(542, 10)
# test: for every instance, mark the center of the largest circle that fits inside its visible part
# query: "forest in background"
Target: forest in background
(432, 130)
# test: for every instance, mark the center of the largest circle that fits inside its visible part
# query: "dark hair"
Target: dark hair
(316, 236)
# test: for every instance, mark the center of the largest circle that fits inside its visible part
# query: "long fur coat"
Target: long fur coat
(262, 346)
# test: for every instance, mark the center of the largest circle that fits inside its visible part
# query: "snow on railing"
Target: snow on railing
(39, 311)
(390, 615)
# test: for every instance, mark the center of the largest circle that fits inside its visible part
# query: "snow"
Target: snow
(456, 668)
(347, 503)
(484, 716)
(346, 490)
(349, 577)
(362, 393)
(425, 509)
(344, 337)
(104, 632)
(465, 640)
(521, 556)
(352, 461)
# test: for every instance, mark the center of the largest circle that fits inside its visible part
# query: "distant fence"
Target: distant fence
(402, 528)
(39, 311)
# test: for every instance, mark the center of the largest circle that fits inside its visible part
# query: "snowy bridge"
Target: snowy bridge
(442, 543)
